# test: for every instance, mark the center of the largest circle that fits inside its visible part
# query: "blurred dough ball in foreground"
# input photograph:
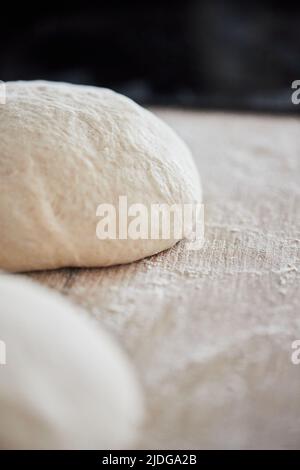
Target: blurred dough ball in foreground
(65, 384)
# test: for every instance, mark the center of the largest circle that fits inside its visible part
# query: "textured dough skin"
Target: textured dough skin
(66, 384)
(65, 149)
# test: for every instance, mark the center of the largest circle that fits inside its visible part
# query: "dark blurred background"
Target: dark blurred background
(192, 53)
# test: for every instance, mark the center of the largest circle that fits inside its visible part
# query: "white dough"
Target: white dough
(66, 384)
(65, 149)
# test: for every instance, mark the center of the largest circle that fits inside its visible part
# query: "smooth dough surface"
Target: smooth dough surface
(66, 384)
(65, 149)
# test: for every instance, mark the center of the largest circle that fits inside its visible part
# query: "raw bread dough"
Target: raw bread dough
(66, 384)
(65, 149)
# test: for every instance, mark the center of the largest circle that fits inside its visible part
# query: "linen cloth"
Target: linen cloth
(210, 332)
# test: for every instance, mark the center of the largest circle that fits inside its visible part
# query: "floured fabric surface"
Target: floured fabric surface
(210, 331)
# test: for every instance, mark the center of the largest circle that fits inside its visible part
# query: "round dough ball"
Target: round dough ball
(64, 150)
(66, 384)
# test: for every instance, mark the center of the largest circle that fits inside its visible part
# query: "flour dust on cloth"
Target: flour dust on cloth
(211, 331)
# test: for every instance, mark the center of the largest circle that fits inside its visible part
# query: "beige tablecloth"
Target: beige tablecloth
(210, 331)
